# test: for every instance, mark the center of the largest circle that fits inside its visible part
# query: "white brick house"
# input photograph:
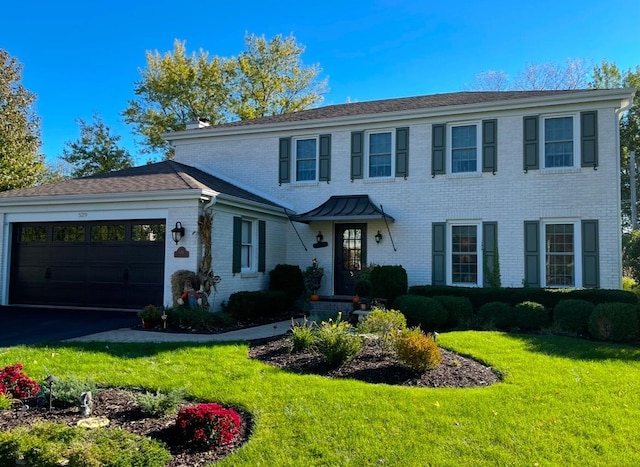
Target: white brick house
(445, 185)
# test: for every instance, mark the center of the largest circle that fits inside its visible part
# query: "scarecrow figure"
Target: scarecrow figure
(190, 296)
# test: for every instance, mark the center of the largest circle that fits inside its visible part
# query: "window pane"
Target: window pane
(352, 249)
(148, 233)
(464, 151)
(558, 144)
(246, 251)
(68, 233)
(306, 159)
(33, 234)
(559, 260)
(464, 249)
(107, 233)
(380, 155)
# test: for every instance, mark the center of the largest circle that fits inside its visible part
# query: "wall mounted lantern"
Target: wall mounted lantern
(177, 232)
(378, 237)
(319, 237)
(320, 243)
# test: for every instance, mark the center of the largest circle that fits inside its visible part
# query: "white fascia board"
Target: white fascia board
(614, 97)
(242, 203)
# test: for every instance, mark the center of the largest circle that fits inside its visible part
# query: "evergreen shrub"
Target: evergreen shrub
(497, 315)
(531, 316)
(459, 309)
(616, 322)
(287, 278)
(573, 316)
(425, 312)
(417, 350)
(388, 282)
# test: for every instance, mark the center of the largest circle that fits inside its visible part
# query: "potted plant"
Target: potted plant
(313, 278)
(150, 316)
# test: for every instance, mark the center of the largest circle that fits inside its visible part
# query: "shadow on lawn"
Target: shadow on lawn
(579, 349)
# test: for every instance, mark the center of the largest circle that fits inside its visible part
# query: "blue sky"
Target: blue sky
(83, 57)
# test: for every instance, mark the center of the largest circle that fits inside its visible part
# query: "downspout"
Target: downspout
(618, 118)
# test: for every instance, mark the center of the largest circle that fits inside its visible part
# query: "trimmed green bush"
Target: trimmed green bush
(417, 350)
(288, 279)
(617, 322)
(530, 316)
(497, 315)
(420, 311)
(459, 310)
(388, 282)
(257, 306)
(573, 316)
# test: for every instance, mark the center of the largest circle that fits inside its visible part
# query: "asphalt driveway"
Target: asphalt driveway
(35, 325)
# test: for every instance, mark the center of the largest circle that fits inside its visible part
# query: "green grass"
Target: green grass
(563, 401)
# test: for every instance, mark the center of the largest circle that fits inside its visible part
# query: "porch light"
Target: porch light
(378, 237)
(319, 237)
(177, 232)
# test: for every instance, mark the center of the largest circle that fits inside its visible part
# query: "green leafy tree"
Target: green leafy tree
(21, 164)
(608, 75)
(96, 151)
(268, 78)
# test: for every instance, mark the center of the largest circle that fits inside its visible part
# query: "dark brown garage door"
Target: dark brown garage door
(114, 264)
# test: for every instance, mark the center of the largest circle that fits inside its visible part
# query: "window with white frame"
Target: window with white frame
(306, 159)
(379, 154)
(465, 257)
(560, 143)
(248, 247)
(464, 144)
(560, 257)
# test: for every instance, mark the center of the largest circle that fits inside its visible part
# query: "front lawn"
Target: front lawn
(563, 401)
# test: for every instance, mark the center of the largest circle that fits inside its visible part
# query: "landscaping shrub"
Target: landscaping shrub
(459, 310)
(497, 315)
(336, 343)
(383, 322)
(208, 425)
(530, 316)
(302, 336)
(572, 316)
(388, 282)
(159, 404)
(417, 350)
(422, 311)
(66, 392)
(288, 279)
(17, 385)
(617, 322)
(196, 319)
(54, 444)
(5, 402)
(257, 306)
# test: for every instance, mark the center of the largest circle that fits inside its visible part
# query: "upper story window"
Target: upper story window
(464, 148)
(559, 141)
(379, 151)
(306, 159)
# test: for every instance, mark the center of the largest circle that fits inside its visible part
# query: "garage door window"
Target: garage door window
(148, 232)
(68, 233)
(33, 234)
(107, 233)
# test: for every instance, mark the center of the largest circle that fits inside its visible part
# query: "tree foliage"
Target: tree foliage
(176, 88)
(96, 151)
(21, 163)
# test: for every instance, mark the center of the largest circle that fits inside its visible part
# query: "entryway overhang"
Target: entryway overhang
(344, 208)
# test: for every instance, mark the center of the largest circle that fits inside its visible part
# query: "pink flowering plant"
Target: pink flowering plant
(208, 425)
(14, 383)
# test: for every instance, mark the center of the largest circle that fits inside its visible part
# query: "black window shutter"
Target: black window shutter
(589, 139)
(325, 158)
(357, 154)
(284, 166)
(438, 138)
(530, 143)
(489, 250)
(237, 245)
(489, 146)
(590, 254)
(439, 254)
(532, 253)
(402, 152)
(262, 246)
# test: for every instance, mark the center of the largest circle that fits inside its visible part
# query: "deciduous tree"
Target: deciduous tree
(96, 151)
(21, 163)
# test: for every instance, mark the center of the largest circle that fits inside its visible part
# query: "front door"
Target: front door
(350, 256)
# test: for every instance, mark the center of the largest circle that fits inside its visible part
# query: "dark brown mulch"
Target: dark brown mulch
(377, 364)
(119, 406)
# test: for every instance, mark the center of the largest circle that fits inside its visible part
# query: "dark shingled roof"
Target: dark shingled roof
(399, 104)
(343, 208)
(161, 176)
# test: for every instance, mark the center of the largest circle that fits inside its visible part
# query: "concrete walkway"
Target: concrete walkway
(134, 335)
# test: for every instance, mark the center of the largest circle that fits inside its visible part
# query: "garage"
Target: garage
(97, 264)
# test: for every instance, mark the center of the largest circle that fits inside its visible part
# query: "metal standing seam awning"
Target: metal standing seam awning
(344, 208)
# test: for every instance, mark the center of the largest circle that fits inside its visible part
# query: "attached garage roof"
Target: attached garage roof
(344, 208)
(161, 176)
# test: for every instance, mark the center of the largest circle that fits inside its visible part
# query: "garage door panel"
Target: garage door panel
(69, 268)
